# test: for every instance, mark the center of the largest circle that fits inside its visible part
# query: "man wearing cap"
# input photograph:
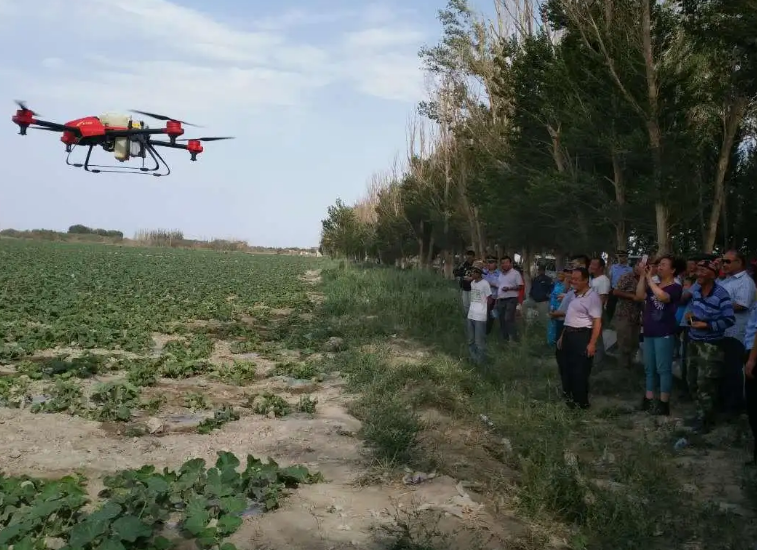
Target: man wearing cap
(709, 316)
(478, 313)
(617, 270)
(462, 273)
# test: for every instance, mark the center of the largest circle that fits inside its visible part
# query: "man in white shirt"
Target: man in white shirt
(578, 343)
(600, 283)
(478, 312)
(509, 285)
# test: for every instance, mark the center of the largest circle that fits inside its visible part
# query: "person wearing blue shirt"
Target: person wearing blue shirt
(750, 385)
(710, 315)
(491, 276)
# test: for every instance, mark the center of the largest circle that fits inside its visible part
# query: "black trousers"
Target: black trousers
(575, 366)
(612, 303)
(750, 391)
(732, 390)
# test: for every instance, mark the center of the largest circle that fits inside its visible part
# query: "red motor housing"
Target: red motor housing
(174, 130)
(195, 148)
(24, 118)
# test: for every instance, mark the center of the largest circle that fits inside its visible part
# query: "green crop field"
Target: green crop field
(130, 338)
(96, 296)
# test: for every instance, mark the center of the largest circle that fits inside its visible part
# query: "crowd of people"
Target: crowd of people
(699, 314)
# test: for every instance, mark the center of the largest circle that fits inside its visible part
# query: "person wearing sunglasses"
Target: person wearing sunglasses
(741, 288)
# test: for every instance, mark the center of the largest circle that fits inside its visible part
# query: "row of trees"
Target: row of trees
(573, 125)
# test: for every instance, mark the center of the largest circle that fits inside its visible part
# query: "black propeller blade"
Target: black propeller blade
(164, 117)
(206, 138)
(22, 105)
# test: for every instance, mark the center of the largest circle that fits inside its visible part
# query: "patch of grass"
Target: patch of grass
(300, 371)
(154, 404)
(62, 366)
(220, 417)
(307, 404)
(142, 372)
(390, 426)
(238, 373)
(196, 401)
(268, 403)
(115, 401)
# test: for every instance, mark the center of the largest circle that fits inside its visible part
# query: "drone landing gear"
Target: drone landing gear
(159, 169)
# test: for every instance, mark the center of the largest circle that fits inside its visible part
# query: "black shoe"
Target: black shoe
(663, 408)
(646, 404)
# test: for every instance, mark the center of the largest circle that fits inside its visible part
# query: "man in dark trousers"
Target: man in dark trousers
(578, 343)
(463, 275)
(541, 287)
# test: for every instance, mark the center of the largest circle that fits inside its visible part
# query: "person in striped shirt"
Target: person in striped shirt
(709, 316)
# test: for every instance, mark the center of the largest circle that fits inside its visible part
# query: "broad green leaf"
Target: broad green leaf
(87, 532)
(130, 529)
(228, 524)
(111, 544)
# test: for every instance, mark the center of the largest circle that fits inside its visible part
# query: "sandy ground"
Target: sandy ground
(339, 513)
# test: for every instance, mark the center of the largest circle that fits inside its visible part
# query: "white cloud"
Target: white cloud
(383, 37)
(185, 62)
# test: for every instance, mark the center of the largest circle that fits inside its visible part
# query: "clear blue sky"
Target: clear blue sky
(317, 93)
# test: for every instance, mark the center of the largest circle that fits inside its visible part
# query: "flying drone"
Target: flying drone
(119, 134)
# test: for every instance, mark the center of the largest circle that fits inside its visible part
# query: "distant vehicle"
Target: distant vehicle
(118, 134)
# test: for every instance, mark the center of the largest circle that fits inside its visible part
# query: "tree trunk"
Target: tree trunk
(556, 148)
(430, 255)
(732, 120)
(449, 260)
(621, 237)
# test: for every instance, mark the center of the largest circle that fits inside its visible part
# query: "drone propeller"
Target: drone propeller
(164, 118)
(206, 138)
(23, 107)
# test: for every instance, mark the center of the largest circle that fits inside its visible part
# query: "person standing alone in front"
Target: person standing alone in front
(478, 313)
(510, 283)
(578, 342)
(462, 273)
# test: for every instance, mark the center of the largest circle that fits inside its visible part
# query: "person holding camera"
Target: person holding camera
(660, 327)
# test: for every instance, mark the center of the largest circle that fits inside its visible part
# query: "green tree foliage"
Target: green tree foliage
(584, 127)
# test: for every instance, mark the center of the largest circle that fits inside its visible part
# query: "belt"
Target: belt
(577, 329)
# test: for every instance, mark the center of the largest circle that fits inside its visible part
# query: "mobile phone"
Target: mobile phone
(644, 259)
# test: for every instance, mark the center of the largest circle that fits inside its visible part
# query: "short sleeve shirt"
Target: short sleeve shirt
(509, 279)
(479, 294)
(583, 309)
